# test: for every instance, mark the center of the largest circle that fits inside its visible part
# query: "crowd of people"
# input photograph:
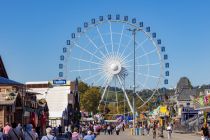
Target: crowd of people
(89, 131)
(17, 132)
(86, 131)
(157, 130)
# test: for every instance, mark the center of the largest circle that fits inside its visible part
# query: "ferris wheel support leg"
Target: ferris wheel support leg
(102, 97)
(129, 103)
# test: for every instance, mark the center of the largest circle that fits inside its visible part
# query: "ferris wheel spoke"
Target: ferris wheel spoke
(110, 29)
(141, 43)
(93, 43)
(87, 51)
(102, 77)
(152, 64)
(131, 108)
(140, 97)
(137, 47)
(153, 92)
(126, 48)
(102, 40)
(120, 39)
(92, 62)
(147, 75)
(92, 76)
(86, 70)
(138, 57)
(147, 53)
(141, 85)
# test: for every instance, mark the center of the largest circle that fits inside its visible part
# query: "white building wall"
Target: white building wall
(56, 97)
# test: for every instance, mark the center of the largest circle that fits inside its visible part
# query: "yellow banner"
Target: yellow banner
(163, 109)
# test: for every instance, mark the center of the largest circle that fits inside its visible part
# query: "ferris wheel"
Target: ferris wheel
(117, 54)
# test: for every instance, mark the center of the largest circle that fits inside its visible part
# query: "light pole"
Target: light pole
(125, 74)
(134, 70)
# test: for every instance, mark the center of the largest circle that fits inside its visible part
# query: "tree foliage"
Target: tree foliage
(90, 99)
(82, 87)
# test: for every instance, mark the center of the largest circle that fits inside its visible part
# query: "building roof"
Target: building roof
(5, 81)
(37, 82)
(4, 101)
(3, 72)
(184, 94)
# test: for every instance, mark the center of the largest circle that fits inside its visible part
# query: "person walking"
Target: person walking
(49, 135)
(105, 129)
(154, 131)
(19, 127)
(15, 133)
(68, 134)
(35, 133)
(6, 131)
(205, 132)
(117, 129)
(60, 130)
(169, 129)
(89, 136)
(75, 134)
(109, 129)
(28, 133)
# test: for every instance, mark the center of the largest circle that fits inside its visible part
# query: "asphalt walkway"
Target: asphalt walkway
(127, 136)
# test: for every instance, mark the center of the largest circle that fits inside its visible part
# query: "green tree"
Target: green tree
(82, 87)
(90, 100)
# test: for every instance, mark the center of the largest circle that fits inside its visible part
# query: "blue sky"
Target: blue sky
(32, 33)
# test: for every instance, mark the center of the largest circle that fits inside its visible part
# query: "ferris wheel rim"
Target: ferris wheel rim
(148, 35)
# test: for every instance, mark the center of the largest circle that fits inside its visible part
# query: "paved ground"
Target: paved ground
(126, 136)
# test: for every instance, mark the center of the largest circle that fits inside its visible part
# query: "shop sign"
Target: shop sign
(59, 82)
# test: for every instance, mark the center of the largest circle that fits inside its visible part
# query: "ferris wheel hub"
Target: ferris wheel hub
(115, 67)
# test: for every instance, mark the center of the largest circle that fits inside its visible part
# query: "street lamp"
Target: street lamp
(124, 75)
(134, 30)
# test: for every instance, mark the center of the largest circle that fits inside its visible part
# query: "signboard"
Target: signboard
(189, 110)
(163, 109)
(59, 82)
